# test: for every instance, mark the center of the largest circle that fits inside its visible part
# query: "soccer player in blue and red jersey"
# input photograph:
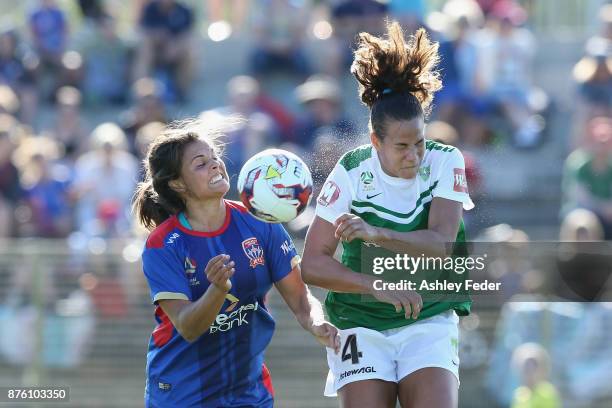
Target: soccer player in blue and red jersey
(209, 264)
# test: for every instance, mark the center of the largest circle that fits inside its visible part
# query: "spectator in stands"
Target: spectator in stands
(461, 101)
(105, 179)
(144, 137)
(148, 107)
(587, 179)
(506, 54)
(349, 18)
(10, 190)
(245, 137)
(593, 75)
(49, 30)
(18, 72)
(533, 363)
(69, 129)
(46, 186)
(279, 35)
(322, 100)
(166, 52)
(106, 61)
(218, 10)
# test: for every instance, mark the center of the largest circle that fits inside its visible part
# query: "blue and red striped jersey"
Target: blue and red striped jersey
(225, 366)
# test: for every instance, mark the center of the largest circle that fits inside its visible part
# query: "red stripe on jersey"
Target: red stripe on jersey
(226, 223)
(163, 332)
(236, 205)
(157, 237)
(267, 379)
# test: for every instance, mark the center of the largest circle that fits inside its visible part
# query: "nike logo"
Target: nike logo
(369, 197)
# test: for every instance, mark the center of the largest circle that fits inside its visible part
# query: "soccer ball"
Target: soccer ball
(275, 185)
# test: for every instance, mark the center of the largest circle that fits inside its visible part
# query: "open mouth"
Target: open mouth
(216, 180)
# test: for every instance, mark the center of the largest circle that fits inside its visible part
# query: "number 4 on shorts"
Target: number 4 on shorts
(354, 354)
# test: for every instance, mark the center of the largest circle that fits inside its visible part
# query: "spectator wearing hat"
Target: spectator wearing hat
(105, 179)
(322, 101)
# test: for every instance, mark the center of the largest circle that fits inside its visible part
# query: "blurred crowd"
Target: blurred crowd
(81, 99)
(76, 171)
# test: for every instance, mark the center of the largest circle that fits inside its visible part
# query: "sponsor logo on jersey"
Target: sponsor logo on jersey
(460, 182)
(233, 302)
(172, 238)
(425, 172)
(253, 251)
(287, 246)
(362, 370)
(227, 321)
(329, 194)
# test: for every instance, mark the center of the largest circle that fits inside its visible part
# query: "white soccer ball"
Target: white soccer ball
(275, 185)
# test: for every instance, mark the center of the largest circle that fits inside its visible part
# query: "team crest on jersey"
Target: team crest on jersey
(253, 251)
(190, 265)
(367, 180)
(425, 172)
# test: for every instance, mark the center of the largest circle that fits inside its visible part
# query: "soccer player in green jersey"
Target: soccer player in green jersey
(398, 192)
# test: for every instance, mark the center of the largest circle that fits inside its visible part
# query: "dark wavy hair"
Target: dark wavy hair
(397, 77)
(154, 200)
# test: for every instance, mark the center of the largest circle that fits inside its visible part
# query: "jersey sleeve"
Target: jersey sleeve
(335, 196)
(165, 275)
(281, 255)
(451, 180)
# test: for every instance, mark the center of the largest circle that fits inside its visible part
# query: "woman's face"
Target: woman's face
(403, 147)
(203, 173)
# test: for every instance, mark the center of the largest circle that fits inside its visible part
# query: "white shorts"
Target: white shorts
(391, 355)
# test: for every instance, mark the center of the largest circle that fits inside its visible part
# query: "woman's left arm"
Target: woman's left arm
(444, 219)
(307, 309)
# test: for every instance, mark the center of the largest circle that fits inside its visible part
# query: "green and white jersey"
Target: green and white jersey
(358, 185)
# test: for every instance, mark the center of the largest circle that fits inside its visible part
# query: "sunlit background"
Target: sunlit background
(86, 85)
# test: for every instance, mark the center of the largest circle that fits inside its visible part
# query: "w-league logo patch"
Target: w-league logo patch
(253, 251)
(460, 182)
(329, 194)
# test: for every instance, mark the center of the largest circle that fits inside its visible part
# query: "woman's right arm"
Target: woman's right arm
(192, 319)
(320, 268)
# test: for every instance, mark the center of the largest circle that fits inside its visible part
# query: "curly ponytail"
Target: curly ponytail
(397, 78)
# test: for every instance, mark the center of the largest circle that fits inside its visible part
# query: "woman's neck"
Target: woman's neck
(206, 216)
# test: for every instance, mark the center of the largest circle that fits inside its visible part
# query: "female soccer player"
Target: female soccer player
(403, 193)
(209, 264)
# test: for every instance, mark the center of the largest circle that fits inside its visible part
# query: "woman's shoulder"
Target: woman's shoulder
(354, 158)
(161, 234)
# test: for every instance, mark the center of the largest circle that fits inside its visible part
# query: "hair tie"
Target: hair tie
(387, 91)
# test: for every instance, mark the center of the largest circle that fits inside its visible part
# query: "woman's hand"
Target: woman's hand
(409, 300)
(350, 227)
(326, 334)
(219, 271)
